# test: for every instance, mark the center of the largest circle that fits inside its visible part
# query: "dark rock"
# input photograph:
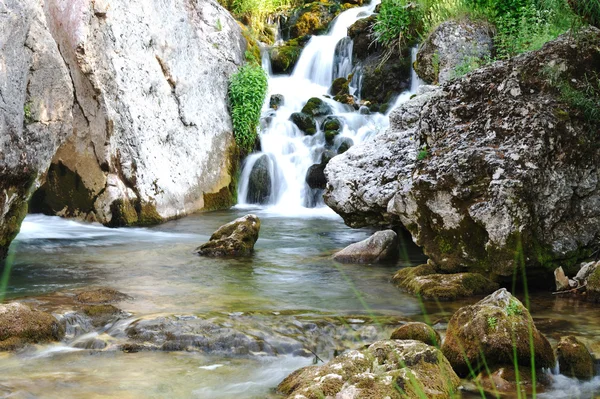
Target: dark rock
(236, 238)
(382, 81)
(316, 107)
(305, 122)
(380, 247)
(332, 126)
(315, 178)
(574, 359)
(339, 87)
(259, 181)
(345, 144)
(364, 110)
(419, 332)
(21, 325)
(494, 330)
(310, 19)
(361, 32)
(412, 366)
(285, 57)
(276, 101)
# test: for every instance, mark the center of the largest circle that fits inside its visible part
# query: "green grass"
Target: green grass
(423, 154)
(247, 91)
(255, 13)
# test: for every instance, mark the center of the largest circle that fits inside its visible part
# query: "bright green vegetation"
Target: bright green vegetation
(492, 322)
(254, 13)
(513, 308)
(247, 91)
(520, 25)
(422, 155)
(467, 65)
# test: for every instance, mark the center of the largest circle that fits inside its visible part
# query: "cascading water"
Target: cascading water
(287, 153)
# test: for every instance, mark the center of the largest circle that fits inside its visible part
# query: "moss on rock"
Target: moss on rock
(574, 359)
(20, 325)
(419, 332)
(100, 296)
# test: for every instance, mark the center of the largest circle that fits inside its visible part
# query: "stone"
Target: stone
(380, 247)
(419, 332)
(36, 103)
(586, 269)
(259, 181)
(315, 177)
(426, 282)
(21, 325)
(143, 86)
(450, 45)
(316, 107)
(361, 33)
(309, 19)
(340, 86)
(344, 145)
(384, 77)
(574, 359)
(419, 370)
(100, 296)
(491, 139)
(276, 101)
(285, 56)
(593, 285)
(493, 330)
(562, 281)
(304, 122)
(234, 239)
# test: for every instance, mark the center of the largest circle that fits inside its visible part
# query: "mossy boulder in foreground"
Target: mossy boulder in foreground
(493, 331)
(392, 368)
(236, 238)
(21, 325)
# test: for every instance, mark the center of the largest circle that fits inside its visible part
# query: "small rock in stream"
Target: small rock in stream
(236, 238)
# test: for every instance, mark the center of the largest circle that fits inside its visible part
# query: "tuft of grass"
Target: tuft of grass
(422, 154)
(247, 91)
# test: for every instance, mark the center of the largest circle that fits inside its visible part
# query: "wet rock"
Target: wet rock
(285, 57)
(21, 325)
(236, 238)
(562, 281)
(453, 44)
(316, 107)
(381, 81)
(340, 86)
(310, 19)
(419, 332)
(505, 380)
(377, 372)
(101, 315)
(361, 32)
(574, 359)
(593, 285)
(491, 141)
(493, 330)
(100, 296)
(427, 282)
(585, 271)
(276, 101)
(344, 145)
(380, 247)
(315, 177)
(332, 126)
(259, 181)
(305, 123)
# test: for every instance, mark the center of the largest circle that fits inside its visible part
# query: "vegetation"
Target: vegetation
(422, 154)
(255, 13)
(247, 91)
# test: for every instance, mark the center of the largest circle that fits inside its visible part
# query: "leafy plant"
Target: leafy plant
(397, 21)
(422, 154)
(467, 65)
(513, 308)
(492, 322)
(27, 112)
(247, 91)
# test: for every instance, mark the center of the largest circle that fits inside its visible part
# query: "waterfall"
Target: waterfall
(289, 152)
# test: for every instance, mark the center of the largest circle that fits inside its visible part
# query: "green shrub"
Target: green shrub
(422, 154)
(254, 13)
(398, 21)
(247, 91)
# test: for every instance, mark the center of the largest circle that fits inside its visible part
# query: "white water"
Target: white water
(290, 152)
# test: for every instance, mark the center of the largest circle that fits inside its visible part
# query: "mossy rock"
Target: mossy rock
(593, 286)
(574, 359)
(419, 332)
(285, 57)
(340, 87)
(427, 283)
(305, 123)
(492, 332)
(21, 325)
(316, 107)
(99, 296)
(276, 101)
(312, 18)
(506, 380)
(344, 145)
(414, 367)
(234, 239)
(101, 314)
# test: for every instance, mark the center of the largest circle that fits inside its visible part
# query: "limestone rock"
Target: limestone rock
(419, 332)
(21, 325)
(36, 100)
(151, 90)
(494, 328)
(574, 359)
(376, 372)
(451, 44)
(510, 166)
(562, 281)
(236, 238)
(380, 247)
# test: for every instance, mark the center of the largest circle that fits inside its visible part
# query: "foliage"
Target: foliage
(422, 154)
(492, 322)
(254, 13)
(513, 308)
(247, 91)
(27, 112)
(467, 65)
(397, 21)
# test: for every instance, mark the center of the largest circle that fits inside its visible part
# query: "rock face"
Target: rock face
(451, 44)
(419, 332)
(394, 369)
(508, 165)
(36, 99)
(574, 359)
(21, 325)
(380, 247)
(236, 238)
(151, 84)
(493, 329)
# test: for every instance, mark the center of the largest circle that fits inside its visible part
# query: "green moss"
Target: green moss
(148, 215)
(123, 213)
(100, 310)
(28, 113)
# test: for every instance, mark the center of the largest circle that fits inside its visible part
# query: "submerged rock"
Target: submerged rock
(21, 325)
(100, 296)
(574, 359)
(495, 163)
(452, 49)
(259, 182)
(493, 331)
(380, 247)
(305, 122)
(236, 238)
(427, 282)
(392, 368)
(419, 332)
(315, 176)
